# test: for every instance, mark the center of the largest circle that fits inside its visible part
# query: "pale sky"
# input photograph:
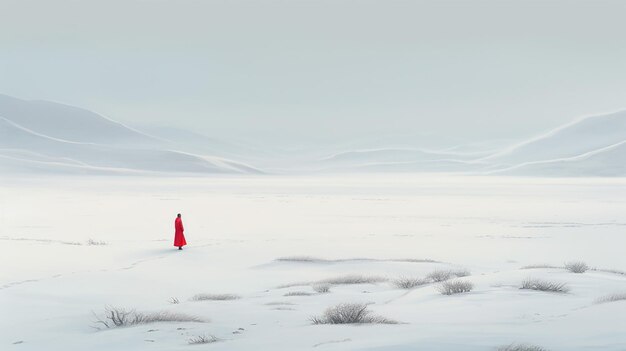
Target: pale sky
(321, 70)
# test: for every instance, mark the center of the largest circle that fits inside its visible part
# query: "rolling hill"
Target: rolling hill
(43, 136)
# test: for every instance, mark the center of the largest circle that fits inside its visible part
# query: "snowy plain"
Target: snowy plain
(54, 284)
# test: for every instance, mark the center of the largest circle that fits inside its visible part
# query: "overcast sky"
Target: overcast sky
(320, 70)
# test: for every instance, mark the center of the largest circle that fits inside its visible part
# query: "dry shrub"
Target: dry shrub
(443, 275)
(576, 267)
(174, 301)
(92, 242)
(349, 313)
(409, 282)
(544, 285)
(612, 298)
(452, 287)
(321, 288)
(202, 339)
(121, 317)
(215, 297)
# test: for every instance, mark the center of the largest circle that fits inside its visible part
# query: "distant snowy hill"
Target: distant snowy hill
(197, 143)
(573, 139)
(69, 123)
(388, 155)
(609, 161)
(399, 160)
(592, 146)
(41, 136)
(44, 136)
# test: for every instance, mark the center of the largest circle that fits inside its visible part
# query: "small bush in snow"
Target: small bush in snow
(452, 287)
(576, 267)
(521, 347)
(202, 339)
(215, 297)
(174, 301)
(612, 298)
(439, 276)
(321, 288)
(409, 282)
(349, 313)
(544, 285)
(120, 317)
(92, 242)
(442, 275)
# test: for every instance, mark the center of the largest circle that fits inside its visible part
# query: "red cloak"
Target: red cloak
(179, 237)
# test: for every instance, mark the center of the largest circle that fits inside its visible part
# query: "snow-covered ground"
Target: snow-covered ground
(53, 284)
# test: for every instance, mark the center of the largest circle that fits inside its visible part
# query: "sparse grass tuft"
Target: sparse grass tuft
(452, 287)
(214, 297)
(121, 317)
(298, 293)
(308, 259)
(174, 301)
(318, 320)
(353, 279)
(439, 276)
(74, 243)
(409, 282)
(349, 313)
(544, 285)
(202, 339)
(576, 267)
(321, 288)
(539, 266)
(612, 298)
(341, 280)
(521, 347)
(92, 242)
(443, 275)
(281, 308)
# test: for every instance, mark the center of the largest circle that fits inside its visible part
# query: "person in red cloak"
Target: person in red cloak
(179, 237)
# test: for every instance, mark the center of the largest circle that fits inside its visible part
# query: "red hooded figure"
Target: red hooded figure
(179, 237)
